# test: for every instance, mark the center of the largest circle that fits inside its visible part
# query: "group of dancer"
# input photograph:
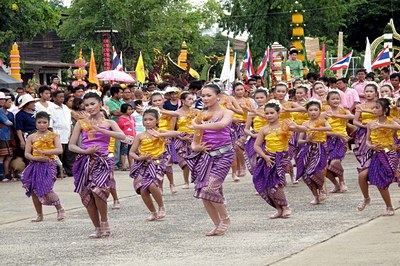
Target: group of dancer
(264, 132)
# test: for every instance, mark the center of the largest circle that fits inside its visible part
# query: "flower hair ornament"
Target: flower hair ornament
(275, 102)
(392, 102)
(314, 100)
(93, 91)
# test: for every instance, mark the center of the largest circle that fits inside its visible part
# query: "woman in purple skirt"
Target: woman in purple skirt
(337, 140)
(255, 122)
(312, 158)
(93, 167)
(384, 161)
(212, 157)
(269, 172)
(39, 176)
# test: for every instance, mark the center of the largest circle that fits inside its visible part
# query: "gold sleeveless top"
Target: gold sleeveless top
(367, 117)
(44, 142)
(320, 136)
(338, 124)
(299, 117)
(285, 115)
(165, 122)
(153, 146)
(383, 136)
(182, 124)
(258, 123)
(244, 115)
(278, 140)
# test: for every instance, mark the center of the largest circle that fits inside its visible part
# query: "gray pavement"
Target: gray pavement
(332, 233)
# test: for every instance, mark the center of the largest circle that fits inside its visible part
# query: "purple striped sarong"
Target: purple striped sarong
(336, 149)
(270, 180)
(239, 136)
(92, 176)
(250, 155)
(311, 163)
(182, 148)
(39, 178)
(362, 152)
(208, 174)
(145, 173)
(293, 145)
(382, 169)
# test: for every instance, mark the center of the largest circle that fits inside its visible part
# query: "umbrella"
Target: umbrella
(115, 75)
(8, 81)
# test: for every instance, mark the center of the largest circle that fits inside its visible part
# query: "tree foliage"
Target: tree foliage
(23, 20)
(269, 21)
(142, 26)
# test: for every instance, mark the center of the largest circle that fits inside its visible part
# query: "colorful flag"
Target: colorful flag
(233, 70)
(93, 71)
(383, 59)
(115, 61)
(367, 57)
(343, 62)
(226, 68)
(264, 63)
(120, 66)
(140, 74)
(322, 69)
(248, 63)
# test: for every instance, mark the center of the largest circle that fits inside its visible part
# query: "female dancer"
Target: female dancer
(257, 122)
(166, 122)
(382, 168)
(39, 176)
(148, 151)
(212, 157)
(93, 167)
(182, 144)
(337, 140)
(269, 173)
(364, 114)
(238, 126)
(312, 158)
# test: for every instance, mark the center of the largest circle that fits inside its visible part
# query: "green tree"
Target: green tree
(142, 25)
(22, 20)
(268, 21)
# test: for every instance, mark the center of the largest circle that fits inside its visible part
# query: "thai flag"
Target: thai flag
(248, 63)
(343, 62)
(383, 59)
(120, 66)
(263, 65)
(115, 61)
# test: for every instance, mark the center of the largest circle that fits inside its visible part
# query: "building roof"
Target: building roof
(48, 64)
(8, 81)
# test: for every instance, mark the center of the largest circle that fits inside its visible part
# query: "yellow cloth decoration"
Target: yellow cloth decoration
(153, 146)
(338, 125)
(258, 123)
(367, 117)
(44, 142)
(278, 139)
(383, 136)
(319, 136)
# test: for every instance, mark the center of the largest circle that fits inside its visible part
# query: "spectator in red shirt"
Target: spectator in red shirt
(126, 123)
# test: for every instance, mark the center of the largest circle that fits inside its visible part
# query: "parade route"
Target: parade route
(332, 233)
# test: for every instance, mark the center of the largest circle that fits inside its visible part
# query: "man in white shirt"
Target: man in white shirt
(60, 121)
(44, 103)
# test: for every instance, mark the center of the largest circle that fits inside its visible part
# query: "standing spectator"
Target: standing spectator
(114, 105)
(370, 76)
(395, 81)
(351, 95)
(79, 91)
(137, 114)
(173, 103)
(60, 121)
(151, 87)
(139, 96)
(6, 151)
(55, 80)
(92, 86)
(127, 96)
(296, 66)
(126, 123)
(385, 74)
(24, 120)
(360, 84)
(69, 100)
(44, 102)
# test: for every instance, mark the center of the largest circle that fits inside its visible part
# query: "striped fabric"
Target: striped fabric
(182, 148)
(383, 167)
(250, 155)
(39, 177)
(311, 162)
(361, 151)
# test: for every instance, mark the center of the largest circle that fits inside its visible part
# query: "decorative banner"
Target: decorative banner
(106, 52)
(312, 47)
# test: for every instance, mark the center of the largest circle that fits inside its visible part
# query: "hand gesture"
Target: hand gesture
(43, 159)
(329, 112)
(91, 150)
(40, 151)
(94, 125)
(376, 147)
(154, 133)
(310, 137)
(202, 147)
(359, 108)
(291, 124)
(270, 160)
(144, 156)
(344, 137)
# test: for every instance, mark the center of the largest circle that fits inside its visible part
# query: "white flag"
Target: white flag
(367, 57)
(226, 69)
(233, 70)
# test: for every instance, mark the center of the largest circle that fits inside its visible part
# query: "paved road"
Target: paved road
(332, 233)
